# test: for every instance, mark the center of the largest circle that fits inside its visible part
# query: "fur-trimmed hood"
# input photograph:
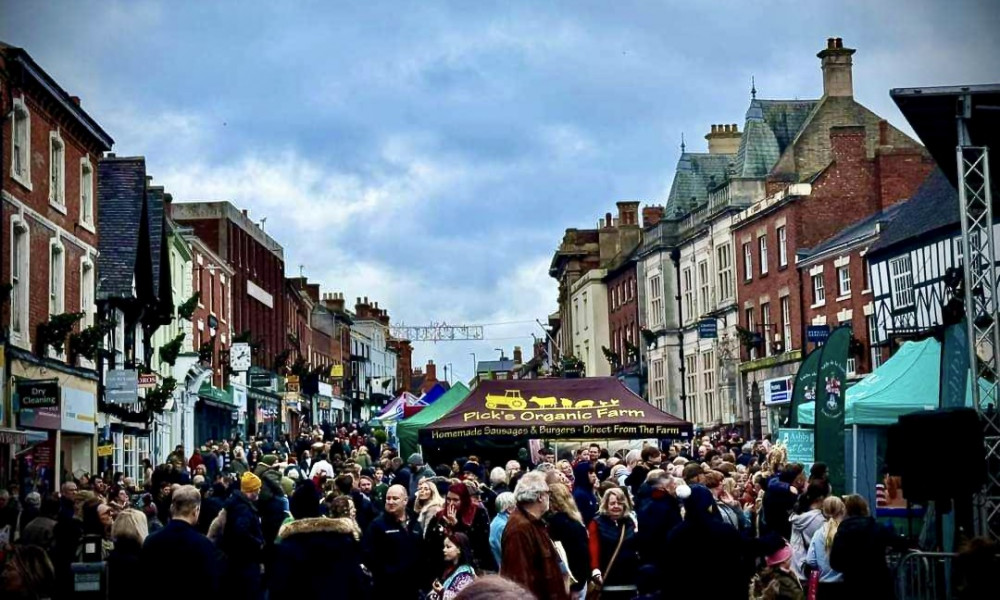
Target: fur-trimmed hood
(342, 525)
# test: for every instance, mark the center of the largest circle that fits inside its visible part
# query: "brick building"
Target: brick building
(258, 297)
(623, 318)
(211, 322)
(841, 164)
(404, 363)
(48, 223)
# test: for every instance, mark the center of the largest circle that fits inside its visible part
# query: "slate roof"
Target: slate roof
(858, 231)
(495, 366)
(934, 206)
(696, 174)
(154, 211)
(121, 185)
(770, 127)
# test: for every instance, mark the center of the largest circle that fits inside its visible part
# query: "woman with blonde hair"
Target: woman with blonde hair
(818, 555)
(614, 555)
(427, 503)
(567, 529)
(128, 533)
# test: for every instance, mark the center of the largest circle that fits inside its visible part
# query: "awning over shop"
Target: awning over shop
(13, 437)
(908, 382)
(216, 397)
(408, 429)
(588, 408)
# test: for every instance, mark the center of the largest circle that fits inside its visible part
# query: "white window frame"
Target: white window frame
(818, 290)
(87, 306)
(57, 171)
(576, 317)
(704, 287)
(691, 377)
(20, 161)
(786, 322)
(21, 292)
(844, 281)
(901, 275)
(852, 365)
(708, 381)
(762, 246)
(655, 300)
(748, 313)
(782, 247)
(614, 297)
(725, 270)
(765, 325)
(586, 315)
(747, 261)
(687, 283)
(86, 193)
(57, 277)
(658, 378)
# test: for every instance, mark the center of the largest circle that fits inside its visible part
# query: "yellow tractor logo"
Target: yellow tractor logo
(510, 399)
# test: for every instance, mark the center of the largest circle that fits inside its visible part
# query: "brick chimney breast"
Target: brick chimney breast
(837, 67)
(431, 371)
(651, 215)
(517, 355)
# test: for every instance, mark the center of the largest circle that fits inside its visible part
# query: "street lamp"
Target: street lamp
(475, 365)
(451, 373)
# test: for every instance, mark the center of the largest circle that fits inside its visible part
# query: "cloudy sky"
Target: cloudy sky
(429, 155)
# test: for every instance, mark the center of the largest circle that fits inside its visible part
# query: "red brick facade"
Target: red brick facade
(404, 363)
(254, 265)
(623, 312)
(28, 207)
(850, 189)
(212, 279)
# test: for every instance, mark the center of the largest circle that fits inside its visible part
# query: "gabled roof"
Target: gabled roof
(154, 212)
(696, 175)
(770, 127)
(854, 233)
(122, 193)
(933, 207)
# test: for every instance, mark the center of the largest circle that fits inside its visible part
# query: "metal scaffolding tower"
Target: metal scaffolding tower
(976, 203)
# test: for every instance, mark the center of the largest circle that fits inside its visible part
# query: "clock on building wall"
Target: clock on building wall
(239, 356)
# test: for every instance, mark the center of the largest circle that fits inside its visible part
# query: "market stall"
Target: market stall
(407, 429)
(515, 411)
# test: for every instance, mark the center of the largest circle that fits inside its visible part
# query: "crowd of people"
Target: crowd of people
(335, 513)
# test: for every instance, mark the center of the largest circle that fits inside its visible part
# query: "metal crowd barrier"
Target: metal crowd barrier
(925, 576)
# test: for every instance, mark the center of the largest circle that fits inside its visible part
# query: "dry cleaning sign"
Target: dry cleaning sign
(38, 394)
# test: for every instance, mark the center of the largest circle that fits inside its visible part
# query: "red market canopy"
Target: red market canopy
(592, 407)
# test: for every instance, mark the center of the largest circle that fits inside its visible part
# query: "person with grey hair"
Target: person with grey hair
(528, 555)
(504, 505)
(32, 508)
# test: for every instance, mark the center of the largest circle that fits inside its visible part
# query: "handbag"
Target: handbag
(594, 589)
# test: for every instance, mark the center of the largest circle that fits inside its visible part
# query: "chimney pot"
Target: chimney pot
(715, 128)
(830, 43)
(735, 128)
(838, 43)
(75, 99)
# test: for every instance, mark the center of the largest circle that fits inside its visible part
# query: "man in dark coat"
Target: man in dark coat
(584, 478)
(701, 535)
(243, 541)
(780, 498)
(659, 512)
(392, 548)
(318, 558)
(179, 540)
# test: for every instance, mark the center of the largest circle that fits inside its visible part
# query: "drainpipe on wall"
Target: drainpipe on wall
(675, 256)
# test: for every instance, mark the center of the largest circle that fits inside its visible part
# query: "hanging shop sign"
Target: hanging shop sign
(105, 450)
(147, 381)
(292, 384)
(708, 329)
(38, 394)
(121, 386)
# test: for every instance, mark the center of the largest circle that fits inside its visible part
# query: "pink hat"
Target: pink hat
(779, 556)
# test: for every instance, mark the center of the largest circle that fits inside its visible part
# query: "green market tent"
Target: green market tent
(407, 430)
(908, 382)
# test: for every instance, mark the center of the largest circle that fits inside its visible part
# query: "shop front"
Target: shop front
(294, 414)
(763, 384)
(215, 415)
(56, 409)
(263, 414)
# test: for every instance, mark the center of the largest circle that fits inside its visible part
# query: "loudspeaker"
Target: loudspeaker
(940, 454)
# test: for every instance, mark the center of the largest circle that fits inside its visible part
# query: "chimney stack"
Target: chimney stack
(517, 355)
(75, 99)
(651, 215)
(628, 213)
(837, 64)
(431, 371)
(724, 139)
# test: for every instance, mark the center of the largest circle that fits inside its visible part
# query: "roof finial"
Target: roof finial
(682, 143)
(753, 88)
